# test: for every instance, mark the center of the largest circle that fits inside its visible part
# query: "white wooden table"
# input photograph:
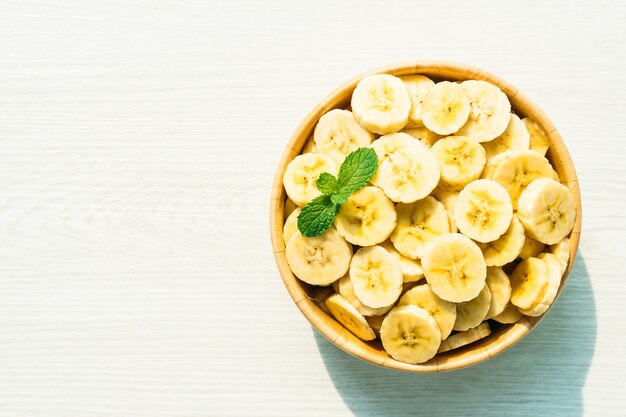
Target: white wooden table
(138, 141)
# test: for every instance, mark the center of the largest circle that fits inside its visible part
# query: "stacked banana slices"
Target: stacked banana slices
(464, 225)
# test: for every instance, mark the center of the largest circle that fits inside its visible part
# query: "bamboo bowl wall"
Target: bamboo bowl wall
(308, 298)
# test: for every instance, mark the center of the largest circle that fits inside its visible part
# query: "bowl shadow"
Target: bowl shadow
(544, 374)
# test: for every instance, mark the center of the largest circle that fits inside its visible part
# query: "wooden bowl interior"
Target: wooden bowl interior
(309, 299)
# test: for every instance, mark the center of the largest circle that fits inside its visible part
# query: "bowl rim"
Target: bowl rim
(461, 358)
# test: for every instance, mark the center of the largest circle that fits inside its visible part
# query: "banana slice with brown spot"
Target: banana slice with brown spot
(490, 111)
(418, 223)
(409, 334)
(368, 217)
(454, 267)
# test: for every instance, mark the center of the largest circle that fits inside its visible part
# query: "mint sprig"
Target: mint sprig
(355, 172)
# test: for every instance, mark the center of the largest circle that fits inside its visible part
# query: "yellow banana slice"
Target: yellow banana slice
(347, 315)
(448, 198)
(549, 293)
(409, 334)
(411, 268)
(461, 160)
(367, 218)
(290, 206)
(519, 169)
(344, 287)
(483, 211)
(538, 139)
(319, 260)
(424, 135)
(291, 225)
(500, 288)
(514, 138)
(529, 282)
(490, 111)
(409, 174)
(376, 277)
(471, 313)
(547, 210)
(418, 223)
(493, 163)
(454, 267)
(337, 134)
(385, 145)
(417, 86)
(561, 251)
(507, 247)
(509, 315)
(381, 103)
(445, 108)
(444, 312)
(531, 248)
(461, 339)
(302, 173)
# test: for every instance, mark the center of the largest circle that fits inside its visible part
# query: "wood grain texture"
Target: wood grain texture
(138, 141)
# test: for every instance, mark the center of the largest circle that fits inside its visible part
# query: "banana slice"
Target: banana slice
(344, 287)
(518, 170)
(507, 247)
(417, 86)
(291, 225)
(319, 260)
(465, 338)
(337, 134)
(448, 198)
(385, 145)
(510, 315)
(418, 223)
(529, 282)
(561, 251)
(471, 313)
(309, 145)
(445, 108)
(302, 173)
(461, 160)
(444, 312)
(376, 277)
(381, 103)
(500, 288)
(409, 174)
(483, 211)
(424, 135)
(409, 334)
(411, 268)
(514, 138)
(454, 267)
(490, 111)
(538, 139)
(493, 163)
(547, 210)
(531, 248)
(290, 206)
(367, 218)
(549, 293)
(347, 315)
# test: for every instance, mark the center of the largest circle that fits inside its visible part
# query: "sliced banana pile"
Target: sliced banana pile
(463, 226)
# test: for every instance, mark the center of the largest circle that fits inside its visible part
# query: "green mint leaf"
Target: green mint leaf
(341, 197)
(317, 216)
(326, 183)
(357, 169)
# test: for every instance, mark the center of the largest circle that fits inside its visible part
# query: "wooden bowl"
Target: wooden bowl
(309, 298)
